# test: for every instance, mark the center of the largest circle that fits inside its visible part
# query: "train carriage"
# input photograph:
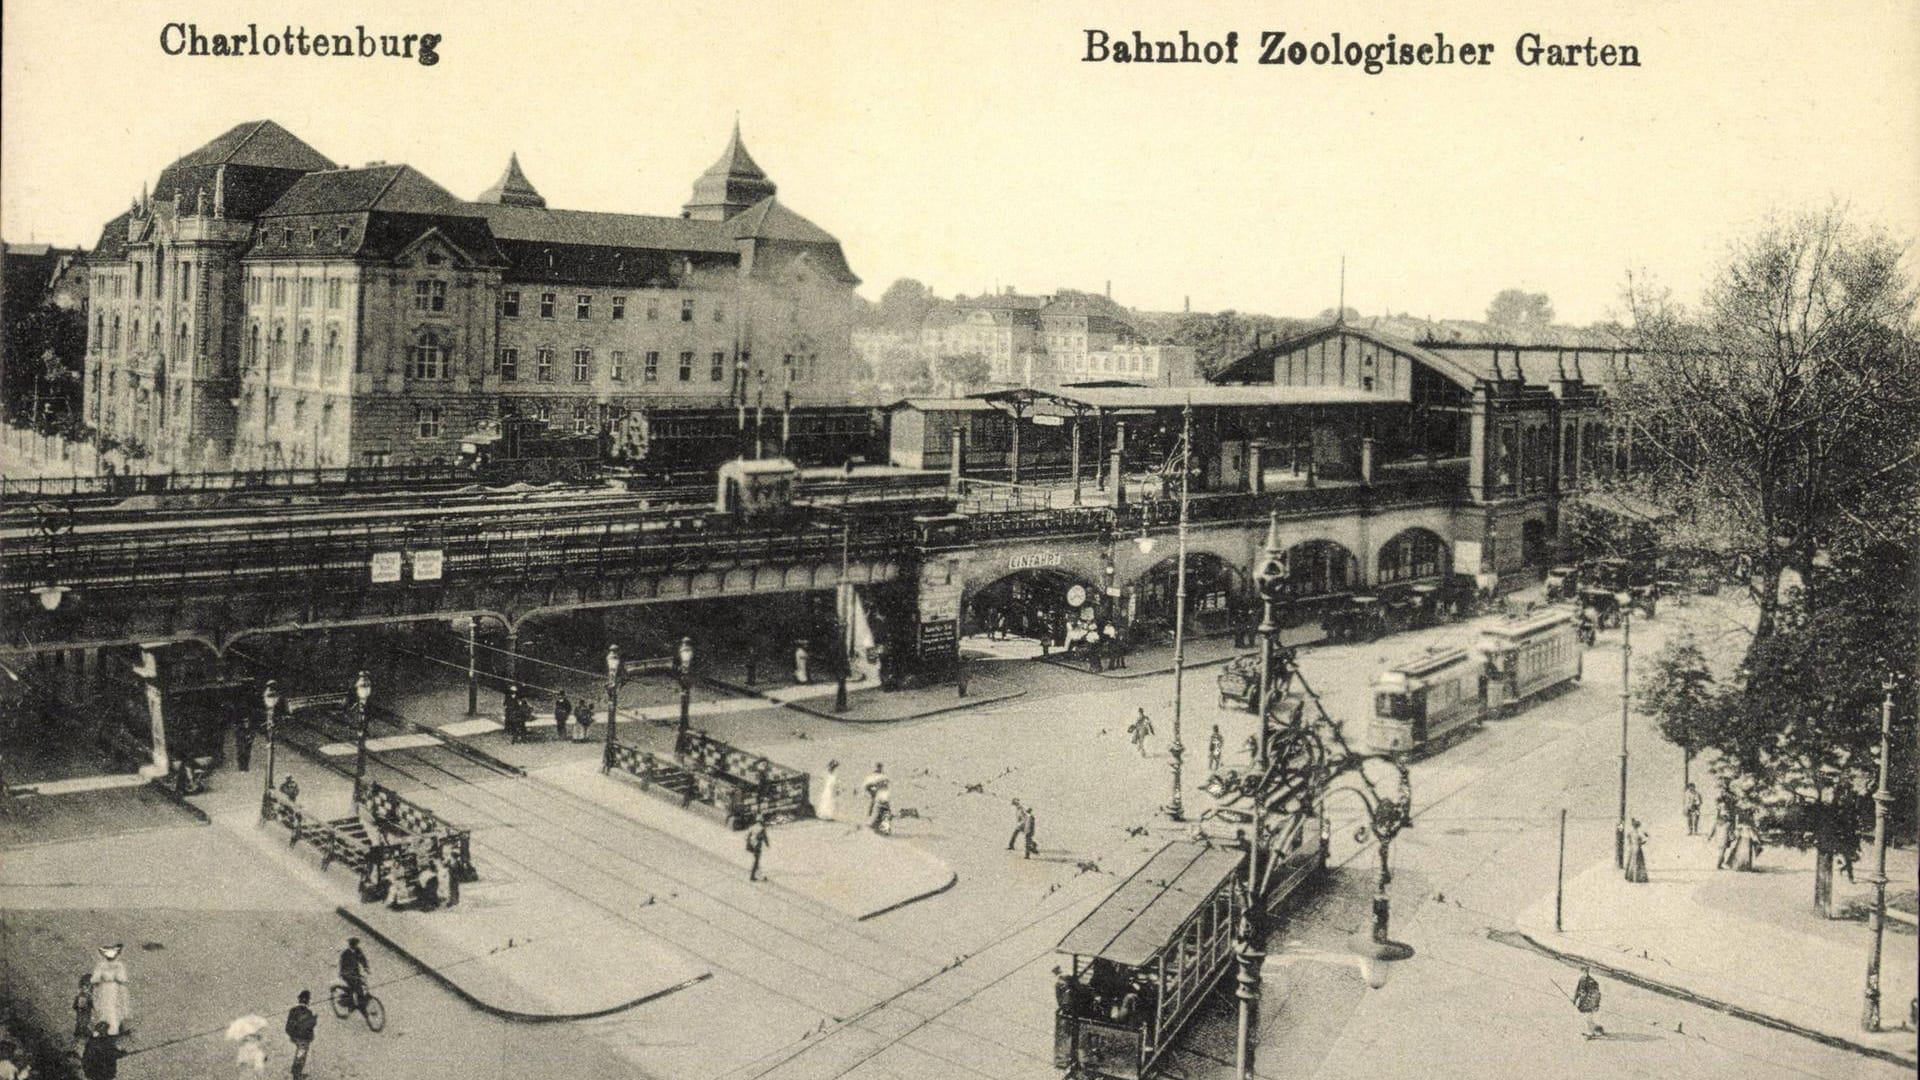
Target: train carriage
(1531, 657)
(1421, 705)
(1144, 960)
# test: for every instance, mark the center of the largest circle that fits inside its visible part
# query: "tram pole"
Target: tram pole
(1877, 917)
(1175, 811)
(1268, 579)
(473, 665)
(1626, 698)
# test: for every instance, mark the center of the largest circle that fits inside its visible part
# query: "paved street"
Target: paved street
(956, 983)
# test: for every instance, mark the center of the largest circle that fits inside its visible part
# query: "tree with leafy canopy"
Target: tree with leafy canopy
(1786, 408)
(962, 372)
(1679, 689)
(1516, 312)
(904, 306)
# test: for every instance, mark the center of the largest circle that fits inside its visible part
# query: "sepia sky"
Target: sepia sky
(965, 144)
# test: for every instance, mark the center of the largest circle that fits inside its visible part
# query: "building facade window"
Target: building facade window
(510, 304)
(686, 310)
(543, 364)
(330, 359)
(427, 360)
(279, 290)
(341, 234)
(582, 365)
(582, 420)
(719, 313)
(253, 345)
(139, 279)
(303, 354)
(583, 306)
(653, 308)
(686, 367)
(717, 367)
(306, 292)
(426, 421)
(652, 370)
(546, 305)
(336, 289)
(186, 280)
(277, 350)
(113, 336)
(430, 296)
(619, 307)
(617, 366)
(509, 365)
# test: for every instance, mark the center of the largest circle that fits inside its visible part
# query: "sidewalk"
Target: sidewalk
(869, 704)
(88, 810)
(1157, 659)
(1750, 940)
(839, 864)
(505, 947)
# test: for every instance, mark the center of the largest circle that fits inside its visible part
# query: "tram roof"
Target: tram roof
(1431, 662)
(1140, 917)
(1174, 397)
(1529, 627)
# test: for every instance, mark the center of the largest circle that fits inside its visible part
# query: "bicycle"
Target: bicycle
(371, 1010)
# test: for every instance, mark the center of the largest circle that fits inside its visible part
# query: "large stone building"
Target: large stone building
(1048, 341)
(264, 308)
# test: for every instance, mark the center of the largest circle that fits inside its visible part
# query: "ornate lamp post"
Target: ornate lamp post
(685, 656)
(1877, 920)
(270, 697)
(1624, 599)
(362, 690)
(614, 670)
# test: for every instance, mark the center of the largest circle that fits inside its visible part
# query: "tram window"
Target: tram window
(1392, 706)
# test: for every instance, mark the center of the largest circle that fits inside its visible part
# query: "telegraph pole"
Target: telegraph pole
(1626, 697)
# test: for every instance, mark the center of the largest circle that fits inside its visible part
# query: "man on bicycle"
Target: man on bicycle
(354, 971)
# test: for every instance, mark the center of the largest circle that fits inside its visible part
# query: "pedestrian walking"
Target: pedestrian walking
(1019, 824)
(756, 845)
(100, 1060)
(1691, 802)
(1723, 817)
(444, 870)
(112, 1004)
(1033, 846)
(829, 793)
(1139, 730)
(1116, 649)
(83, 1012)
(1253, 751)
(875, 782)
(1636, 868)
(1216, 743)
(882, 821)
(800, 663)
(999, 632)
(1745, 846)
(562, 711)
(583, 722)
(300, 1027)
(1586, 998)
(242, 739)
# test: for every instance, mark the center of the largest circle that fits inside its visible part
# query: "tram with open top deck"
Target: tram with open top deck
(1426, 703)
(1530, 657)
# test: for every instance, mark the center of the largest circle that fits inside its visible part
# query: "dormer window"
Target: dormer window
(313, 237)
(286, 236)
(341, 236)
(434, 258)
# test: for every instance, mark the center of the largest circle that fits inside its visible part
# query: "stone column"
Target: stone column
(1478, 447)
(1115, 469)
(1366, 460)
(1256, 466)
(152, 680)
(957, 443)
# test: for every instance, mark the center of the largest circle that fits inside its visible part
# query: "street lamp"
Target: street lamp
(1269, 578)
(614, 668)
(1625, 600)
(1177, 751)
(362, 690)
(1877, 920)
(270, 697)
(685, 656)
(843, 603)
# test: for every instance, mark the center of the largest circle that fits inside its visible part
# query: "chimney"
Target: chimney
(1109, 288)
(1186, 304)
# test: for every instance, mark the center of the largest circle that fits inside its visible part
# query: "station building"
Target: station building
(265, 308)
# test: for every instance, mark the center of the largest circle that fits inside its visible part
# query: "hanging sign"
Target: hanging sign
(427, 564)
(386, 566)
(1035, 561)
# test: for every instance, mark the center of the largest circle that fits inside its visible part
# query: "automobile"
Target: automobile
(1563, 583)
(1239, 681)
(1361, 618)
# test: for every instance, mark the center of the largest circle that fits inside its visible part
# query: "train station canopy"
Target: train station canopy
(1142, 916)
(1079, 400)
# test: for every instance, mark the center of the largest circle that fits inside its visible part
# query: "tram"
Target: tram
(1426, 703)
(1148, 956)
(1531, 657)
(1422, 705)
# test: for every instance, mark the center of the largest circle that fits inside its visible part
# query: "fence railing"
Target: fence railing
(732, 785)
(126, 486)
(421, 826)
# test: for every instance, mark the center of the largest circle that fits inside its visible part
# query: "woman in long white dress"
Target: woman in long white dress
(829, 792)
(111, 1002)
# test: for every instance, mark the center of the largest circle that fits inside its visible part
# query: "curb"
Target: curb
(953, 878)
(1076, 666)
(178, 800)
(1521, 940)
(514, 1015)
(801, 706)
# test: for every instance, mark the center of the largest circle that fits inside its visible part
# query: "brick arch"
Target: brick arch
(1411, 554)
(1317, 566)
(1052, 578)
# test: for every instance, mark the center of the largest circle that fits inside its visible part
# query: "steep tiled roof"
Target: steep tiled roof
(393, 188)
(1257, 366)
(768, 220)
(513, 188)
(112, 245)
(540, 225)
(734, 180)
(260, 143)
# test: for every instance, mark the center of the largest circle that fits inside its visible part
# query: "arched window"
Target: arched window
(99, 330)
(159, 270)
(303, 354)
(330, 359)
(133, 335)
(253, 345)
(180, 349)
(426, 359)
(159, 339)
(278, 350)
(113, 341)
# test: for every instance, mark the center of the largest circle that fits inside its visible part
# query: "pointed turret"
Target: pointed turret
(513, 188)
(731, 185)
